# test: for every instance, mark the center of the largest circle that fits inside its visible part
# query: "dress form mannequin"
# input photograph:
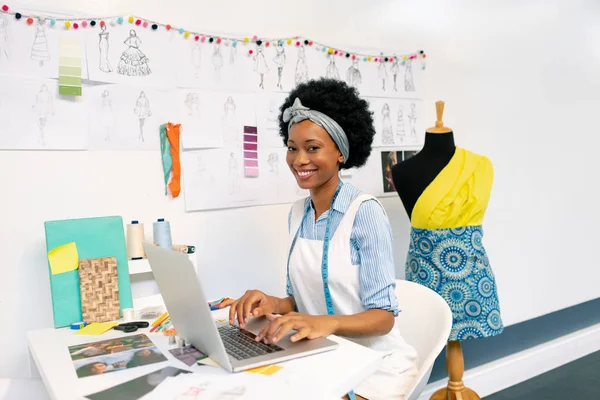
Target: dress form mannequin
(445, 252)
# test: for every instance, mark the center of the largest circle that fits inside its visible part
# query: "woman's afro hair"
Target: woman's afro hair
(342, 103)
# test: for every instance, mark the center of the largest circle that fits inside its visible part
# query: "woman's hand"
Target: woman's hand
(308, 326)
(253, 302)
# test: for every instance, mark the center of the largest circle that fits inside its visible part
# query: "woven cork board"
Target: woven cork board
(99, 288)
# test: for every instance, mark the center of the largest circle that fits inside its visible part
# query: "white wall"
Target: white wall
(520, 80)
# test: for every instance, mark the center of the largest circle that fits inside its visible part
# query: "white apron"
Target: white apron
(399, 367)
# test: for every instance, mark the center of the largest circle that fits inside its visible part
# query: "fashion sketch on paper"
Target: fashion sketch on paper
(107, 116)
(273, 161)
(133, 61)
(260, 65)
(279, 60)
(103, 45)
(400, 130)
(332, 71)
(387, 132)
(232, 54)
(233, 173)
(196, 57)
(353, 77)
(192, 104)
(301, 67)
(142, 110)
(204, 176)
(217, 60)
(409, 82)
(228, 123)
(39, 50)
(382, 72)
(395, 69)
(43, 108)
(4, 49)
(412, 120)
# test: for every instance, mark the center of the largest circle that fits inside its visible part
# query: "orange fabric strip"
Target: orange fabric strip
(173, 133)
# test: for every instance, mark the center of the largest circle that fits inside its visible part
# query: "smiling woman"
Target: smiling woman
(340, 269)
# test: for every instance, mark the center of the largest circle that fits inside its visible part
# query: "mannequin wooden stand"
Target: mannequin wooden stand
(455, 363)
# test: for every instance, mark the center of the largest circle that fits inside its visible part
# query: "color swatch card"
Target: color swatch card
(69, 66)
(250, 152)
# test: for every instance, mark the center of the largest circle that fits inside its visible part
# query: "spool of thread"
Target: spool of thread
(162, 234)
(78, 325)
(184, 248)
(128, 314)
(135, 238)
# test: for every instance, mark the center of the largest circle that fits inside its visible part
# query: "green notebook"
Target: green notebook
(94, 238)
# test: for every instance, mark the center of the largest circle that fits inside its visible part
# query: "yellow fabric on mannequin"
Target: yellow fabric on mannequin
(458, 196)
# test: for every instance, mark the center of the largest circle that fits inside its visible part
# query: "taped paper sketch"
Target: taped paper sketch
(43, 107)
(4, 49)
(412, 120)
(233, 173)
(332, 70)
(400, 131)
(382, 72)
(133, 61)
(279, 60)
(192, 103)
(217, 61)
(107, 116)
(39, 50)
(301, 67)
(196, 57)
(205, 178)
(395, 69)
(273, 161)
(353, 76)
(387, 130)
(142, 110)
(103, 45)
(409, 82)
(260, 66)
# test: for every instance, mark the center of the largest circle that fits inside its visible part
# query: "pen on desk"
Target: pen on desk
(156, 327)
(159, 319)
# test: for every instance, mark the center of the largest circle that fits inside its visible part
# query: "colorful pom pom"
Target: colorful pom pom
(67, 24)
(246, 40)
(196, 38)
(92, 23)
(120, 20)
(18, 15)
(234, 44)
(298, 43)
(289, 41)
(154, 26)
(52, 22)
(138, 22)
(30, 20)
(181, 30)
(250, 51)
(254, 37)
(186, 34)
(75, 25)
(210, 40)
(130, 19)
(145, 24)
(5, 8)
(267, 44)
(306, 42)
(219, 40)
(259, 42)
(84, 24)
(168, 27)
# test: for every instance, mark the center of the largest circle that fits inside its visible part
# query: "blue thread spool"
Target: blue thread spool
(162, 233)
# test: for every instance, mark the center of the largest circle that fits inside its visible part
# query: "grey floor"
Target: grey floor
(578, 380)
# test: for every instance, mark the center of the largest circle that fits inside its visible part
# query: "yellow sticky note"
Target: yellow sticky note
(265, 370)
(63, 258)
(96, 328)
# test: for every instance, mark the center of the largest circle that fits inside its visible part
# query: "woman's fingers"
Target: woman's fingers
(226, 303)
(301, 334)
(232, 310)
(283, 330)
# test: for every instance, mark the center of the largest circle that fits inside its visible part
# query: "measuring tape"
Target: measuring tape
(324, 262)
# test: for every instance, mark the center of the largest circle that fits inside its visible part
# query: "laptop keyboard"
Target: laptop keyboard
(241, 344)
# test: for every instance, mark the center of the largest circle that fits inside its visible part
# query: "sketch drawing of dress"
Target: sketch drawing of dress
(232, 54)
(39, 50)
(395, 69)
(103, 45)
(409, 82)
(4, 50)
(353, 77)
(217, 61)
(107, 117)
(387, 135)
(229, 128)
(382, 72)
(43, 107)
(301, 67)
(191, 103)
(142, 110)
(133, 61)
(400, 131)
(412, 120)
(233, 173)
(196, 57)
(332, 71)
(260, 66)
(279, 60)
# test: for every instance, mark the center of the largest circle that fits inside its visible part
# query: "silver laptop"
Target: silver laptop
(232, 348)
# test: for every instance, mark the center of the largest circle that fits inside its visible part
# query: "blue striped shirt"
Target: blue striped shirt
(371, 246)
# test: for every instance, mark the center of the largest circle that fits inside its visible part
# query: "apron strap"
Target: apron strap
(350, 214)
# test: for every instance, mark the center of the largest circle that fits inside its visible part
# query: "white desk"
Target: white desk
(339, 371)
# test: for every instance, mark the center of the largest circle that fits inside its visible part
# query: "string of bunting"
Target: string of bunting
(77, 23)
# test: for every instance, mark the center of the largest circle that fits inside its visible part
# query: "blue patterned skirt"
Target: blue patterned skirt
(453, 263)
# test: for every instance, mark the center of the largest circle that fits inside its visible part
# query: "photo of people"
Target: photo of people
(388, 160)
(114, 355)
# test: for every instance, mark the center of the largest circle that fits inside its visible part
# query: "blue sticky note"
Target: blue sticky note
(94, 238)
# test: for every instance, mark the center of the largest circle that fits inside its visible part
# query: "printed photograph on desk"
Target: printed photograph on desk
(118, 361)
(111, 346)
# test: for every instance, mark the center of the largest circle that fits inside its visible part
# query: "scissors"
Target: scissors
(129, 327)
